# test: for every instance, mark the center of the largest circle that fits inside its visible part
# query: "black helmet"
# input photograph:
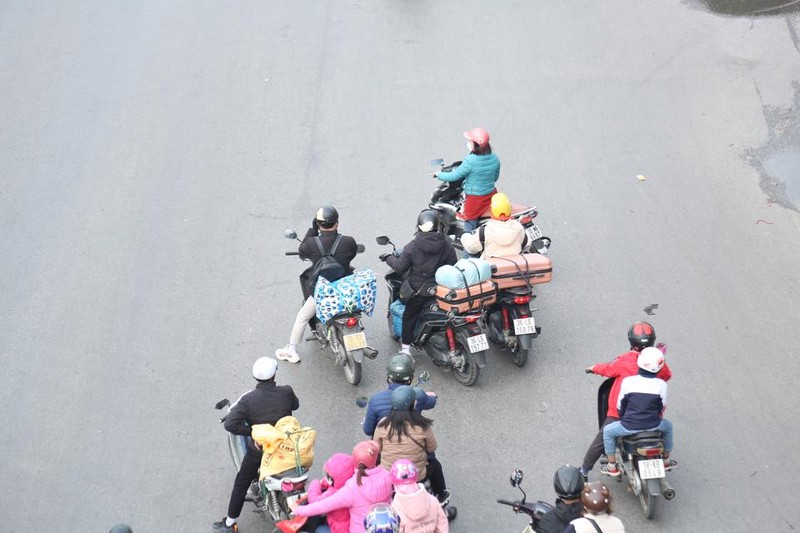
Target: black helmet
(568, 482)
(641, 335)
(428, 220)
(403, 398)
(120, 528)
(327, 216)
(400, 369)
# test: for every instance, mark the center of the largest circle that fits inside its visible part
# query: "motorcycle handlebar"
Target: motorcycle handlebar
(292, 253)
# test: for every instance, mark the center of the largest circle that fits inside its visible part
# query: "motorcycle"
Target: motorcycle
(450, 511)
(451, 340)
(510, 323)
(534, 510)
(342, 334)
(448, 199)
(640, 458)
(275, 495)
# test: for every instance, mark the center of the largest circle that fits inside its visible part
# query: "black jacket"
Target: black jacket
(558, 518)
(266, 404)
(427, 252)
(345, 253)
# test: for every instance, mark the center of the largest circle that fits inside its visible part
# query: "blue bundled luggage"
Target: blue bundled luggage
(396, 310)
(465, 273)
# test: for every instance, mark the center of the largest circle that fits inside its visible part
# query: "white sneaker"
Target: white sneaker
(285, 354)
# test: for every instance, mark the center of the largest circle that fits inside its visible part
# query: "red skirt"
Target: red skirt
(476, 206)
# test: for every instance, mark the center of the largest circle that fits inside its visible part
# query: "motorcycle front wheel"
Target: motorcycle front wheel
(468, 374)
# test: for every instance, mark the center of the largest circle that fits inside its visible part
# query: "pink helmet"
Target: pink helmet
(477, 135)
(366, 453)
(403, 472)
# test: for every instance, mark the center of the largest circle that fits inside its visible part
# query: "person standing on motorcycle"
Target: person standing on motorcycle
(428, 251)
(641, 335)
(266, 404)
(568, 484)
(596, 502)
(641, 403)
(500, 236)
(324, 226)
(406, 434)
(480, 169)
(419, 511)
(370, 485)
(399, 371)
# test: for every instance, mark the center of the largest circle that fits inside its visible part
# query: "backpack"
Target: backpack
(326, 266)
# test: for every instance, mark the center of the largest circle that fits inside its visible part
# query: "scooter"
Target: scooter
(640, 458)
(534, 510)
(275, 495)
(450, 511)
(451, 340)
(448, 199)
(342, 334)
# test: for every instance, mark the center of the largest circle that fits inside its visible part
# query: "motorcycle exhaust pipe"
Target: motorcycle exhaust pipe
(666, 489)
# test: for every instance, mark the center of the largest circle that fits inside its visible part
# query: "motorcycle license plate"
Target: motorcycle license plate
(651, 469)
(290, 500)
(524, 326)
(355, 341)
(478, 343)
(533, 232)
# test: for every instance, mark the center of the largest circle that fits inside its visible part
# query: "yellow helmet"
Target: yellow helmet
(501, 206)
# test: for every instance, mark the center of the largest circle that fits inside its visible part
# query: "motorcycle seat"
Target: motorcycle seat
(644, 435)
(430, 315)
(292, 475)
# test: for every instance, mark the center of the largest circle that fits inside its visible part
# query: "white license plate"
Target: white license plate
(651, 469)
(524, 326)
(293, 498)
(355, 341)
(478, 343)
(533, 232)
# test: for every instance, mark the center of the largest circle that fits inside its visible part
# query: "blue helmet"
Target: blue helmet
(381, 519)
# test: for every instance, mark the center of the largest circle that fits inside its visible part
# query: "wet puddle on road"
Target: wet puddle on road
(785, 168)
(748, 8)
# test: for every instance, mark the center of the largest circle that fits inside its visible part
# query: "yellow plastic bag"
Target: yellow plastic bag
(279, 443)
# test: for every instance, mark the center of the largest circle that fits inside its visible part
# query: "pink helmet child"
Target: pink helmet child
(338, 469)
(404, 476)
(418, 510)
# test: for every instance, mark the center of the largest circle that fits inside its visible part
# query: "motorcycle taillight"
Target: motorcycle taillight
(525, 220)
(352, 322)
(650, 452)
(472, 318)
(522, 299)
(289, 486)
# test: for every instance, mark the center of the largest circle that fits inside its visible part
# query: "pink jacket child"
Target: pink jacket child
(339, 468)
(370, 485)
(419, 511)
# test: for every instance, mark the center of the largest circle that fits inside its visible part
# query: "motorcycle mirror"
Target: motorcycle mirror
(437, 162)
(516, 477)
(362, 401)
(382, 240)
(222, 403)
(290, 234)
(423, 377)
(360, 248)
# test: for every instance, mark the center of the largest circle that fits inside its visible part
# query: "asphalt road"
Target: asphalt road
(151, 154)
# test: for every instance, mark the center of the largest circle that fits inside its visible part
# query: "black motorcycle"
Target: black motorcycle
(343, 334)
(510, 322)
(451, 340)
(534, 510)
(640, 458)
(448, 199)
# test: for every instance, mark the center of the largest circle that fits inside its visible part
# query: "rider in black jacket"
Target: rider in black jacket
(266, 404)
(325, 225)
(568, 483)
(428, 251)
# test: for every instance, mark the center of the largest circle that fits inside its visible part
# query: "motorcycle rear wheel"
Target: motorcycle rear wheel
(352, 369)
(468, 375)
(646, 501)
(519, 356)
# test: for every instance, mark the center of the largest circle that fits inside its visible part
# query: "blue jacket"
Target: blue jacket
(380, 405)
(642, 399)
(480, 173)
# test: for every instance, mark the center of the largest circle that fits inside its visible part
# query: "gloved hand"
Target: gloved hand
(435, 175)
(589, 370)
(314, 223)
(383, 257)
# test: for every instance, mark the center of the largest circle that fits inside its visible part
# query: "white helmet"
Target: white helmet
(264, 368)
(651, 360)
